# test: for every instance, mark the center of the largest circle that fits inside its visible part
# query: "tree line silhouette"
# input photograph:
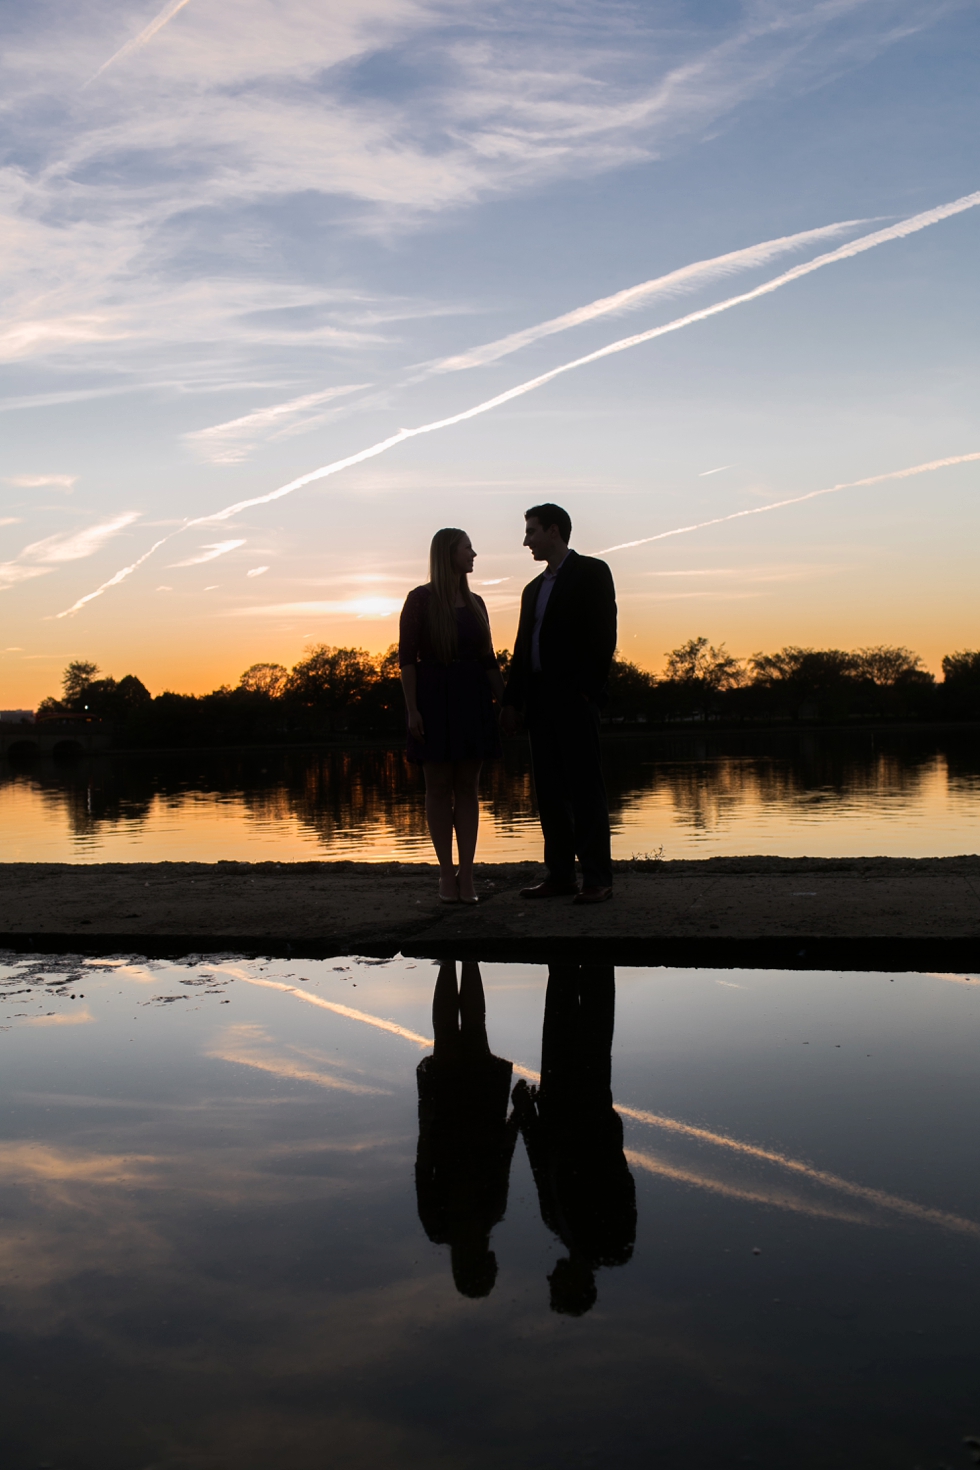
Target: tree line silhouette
(332, 693)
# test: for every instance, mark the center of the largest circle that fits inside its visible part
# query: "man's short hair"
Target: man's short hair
(552, 515)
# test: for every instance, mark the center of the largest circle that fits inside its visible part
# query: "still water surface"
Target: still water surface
(818, 793)
(241, 1226)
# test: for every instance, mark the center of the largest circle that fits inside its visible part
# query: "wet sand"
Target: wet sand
(850, 913)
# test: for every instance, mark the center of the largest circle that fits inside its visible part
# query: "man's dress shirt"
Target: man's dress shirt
(540, 608)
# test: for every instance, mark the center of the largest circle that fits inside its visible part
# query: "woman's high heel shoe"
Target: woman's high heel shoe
(468, 901)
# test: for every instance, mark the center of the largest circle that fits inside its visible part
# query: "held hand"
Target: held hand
(415, 726)
(508, 720)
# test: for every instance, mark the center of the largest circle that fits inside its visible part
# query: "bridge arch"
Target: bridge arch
(21, 749)
(67, 750)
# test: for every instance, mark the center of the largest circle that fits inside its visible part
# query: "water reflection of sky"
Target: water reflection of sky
(809, 794)
(239, 1222)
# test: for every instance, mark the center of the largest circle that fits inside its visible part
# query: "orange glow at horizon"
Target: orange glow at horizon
(198, 665)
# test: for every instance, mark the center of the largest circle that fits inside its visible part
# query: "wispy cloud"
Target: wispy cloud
(232, 441)
(37, 482)
(282, 104)
(79, 544)
(41, 557)
(210, 553)
(357, 607)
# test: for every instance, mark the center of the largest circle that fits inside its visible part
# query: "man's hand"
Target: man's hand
(509, 720)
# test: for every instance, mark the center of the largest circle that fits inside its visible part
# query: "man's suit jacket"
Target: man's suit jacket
(578, 632)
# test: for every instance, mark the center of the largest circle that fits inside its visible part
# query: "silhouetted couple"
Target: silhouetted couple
(557, 678)
(573, 1135)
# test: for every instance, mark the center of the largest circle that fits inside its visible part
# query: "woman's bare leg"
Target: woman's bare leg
(466, 820)
(439, 815)
(445, 1012)
(472, 1011)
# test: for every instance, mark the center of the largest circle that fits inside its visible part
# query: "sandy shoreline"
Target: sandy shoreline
(895, 912)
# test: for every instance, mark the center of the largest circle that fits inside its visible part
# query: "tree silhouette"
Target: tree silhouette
(887, 667)
(76, 679)
(267, 679)
(698, 662)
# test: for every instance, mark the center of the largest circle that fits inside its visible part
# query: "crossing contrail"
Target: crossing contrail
(758, 510)
(687, 278)
(156, 24)
(844, 252)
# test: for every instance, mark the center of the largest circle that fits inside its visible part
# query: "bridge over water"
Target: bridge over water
(68, 737)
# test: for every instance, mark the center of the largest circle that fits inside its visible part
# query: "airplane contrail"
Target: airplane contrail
(844, 252)
(156, 24)
(758, 510)
(118, 577)
(687, 278)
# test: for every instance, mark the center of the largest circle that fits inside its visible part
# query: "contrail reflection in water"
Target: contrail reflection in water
(878, 1198)
(244, 1046)
(758, 1195)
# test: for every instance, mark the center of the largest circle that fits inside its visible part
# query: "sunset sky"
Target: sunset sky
(245, 241)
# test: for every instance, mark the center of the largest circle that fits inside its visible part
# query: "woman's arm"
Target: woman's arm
(409, 637)
(494, 675)
(496, 682)
(410, 678)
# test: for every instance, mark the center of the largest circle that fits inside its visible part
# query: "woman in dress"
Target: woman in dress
(451, 678)
(466, 1140)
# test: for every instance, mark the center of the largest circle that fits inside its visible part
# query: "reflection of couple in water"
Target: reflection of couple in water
(557, 678)
(573, 1135)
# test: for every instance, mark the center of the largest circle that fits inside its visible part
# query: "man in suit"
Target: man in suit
(574, 1136)
(558, 676)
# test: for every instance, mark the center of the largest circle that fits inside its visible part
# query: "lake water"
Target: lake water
(241, 1228)
(811, 793)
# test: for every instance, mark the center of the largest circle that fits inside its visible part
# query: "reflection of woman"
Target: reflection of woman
(465, 1137)
(574, 1136)
(450, 677)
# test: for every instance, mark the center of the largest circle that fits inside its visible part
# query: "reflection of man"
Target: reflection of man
(558, 676)
(574, 1136)
(466, 1140)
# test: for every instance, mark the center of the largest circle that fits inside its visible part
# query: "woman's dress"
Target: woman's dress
(454, 700)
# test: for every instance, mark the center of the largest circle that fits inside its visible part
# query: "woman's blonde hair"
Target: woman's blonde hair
(444, 581)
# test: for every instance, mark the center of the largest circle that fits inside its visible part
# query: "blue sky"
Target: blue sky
(244, 241)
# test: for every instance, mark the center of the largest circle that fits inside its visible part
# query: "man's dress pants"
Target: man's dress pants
(563, 728)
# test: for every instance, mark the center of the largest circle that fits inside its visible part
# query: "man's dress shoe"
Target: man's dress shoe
(549, 889)
(593, 895)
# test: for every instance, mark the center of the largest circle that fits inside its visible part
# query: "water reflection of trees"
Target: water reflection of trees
(705, 795)
(709, 780)
(339, 794)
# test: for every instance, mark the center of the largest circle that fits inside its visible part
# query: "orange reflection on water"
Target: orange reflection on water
(817, 795)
